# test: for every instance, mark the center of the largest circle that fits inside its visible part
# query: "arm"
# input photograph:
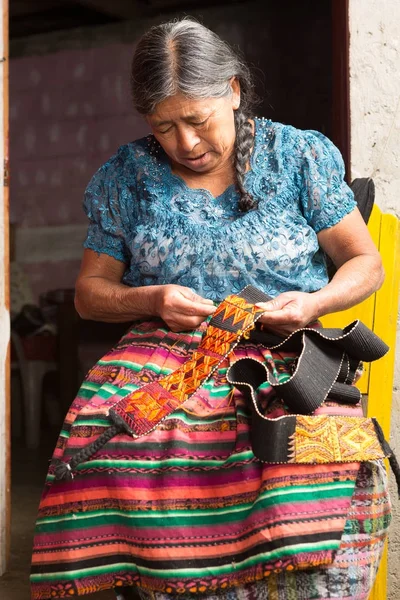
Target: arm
(359, 266)
(100, 295)
(359, 274)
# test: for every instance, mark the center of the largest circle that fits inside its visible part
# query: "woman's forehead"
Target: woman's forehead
(180, 107)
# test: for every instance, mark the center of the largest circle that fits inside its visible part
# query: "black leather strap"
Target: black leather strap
(326, 363)
(327, 360)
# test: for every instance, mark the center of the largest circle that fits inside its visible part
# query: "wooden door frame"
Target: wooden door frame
(340, 136)
(5, 421)
(341, 79)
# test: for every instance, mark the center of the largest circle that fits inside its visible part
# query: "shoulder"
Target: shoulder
(297, 155)
(287, 138)
(114, 184)
(305, 145)
(280, 132)
(127, 159)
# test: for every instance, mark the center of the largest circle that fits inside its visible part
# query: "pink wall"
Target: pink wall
(69, 112)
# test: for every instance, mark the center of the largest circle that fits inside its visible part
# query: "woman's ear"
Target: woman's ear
(235, 86)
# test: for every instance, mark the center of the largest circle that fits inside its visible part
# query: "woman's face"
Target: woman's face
(198, 135)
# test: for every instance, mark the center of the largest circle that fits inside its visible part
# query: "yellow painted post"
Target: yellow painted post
(382, 372)
(385, 323)
(379, 313)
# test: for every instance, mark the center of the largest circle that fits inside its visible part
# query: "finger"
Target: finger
(204, 301)
(194, 309)
(284, 316)
(277, 303)
(191, 295)
(187, 324)
(201, 309)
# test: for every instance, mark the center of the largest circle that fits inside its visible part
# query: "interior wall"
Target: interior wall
(70, 110)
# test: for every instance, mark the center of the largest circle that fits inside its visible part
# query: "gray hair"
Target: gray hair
(183, 56)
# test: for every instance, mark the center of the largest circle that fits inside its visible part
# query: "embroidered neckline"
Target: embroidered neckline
(259, 126)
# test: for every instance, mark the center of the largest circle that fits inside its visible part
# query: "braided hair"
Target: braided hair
(183, 56)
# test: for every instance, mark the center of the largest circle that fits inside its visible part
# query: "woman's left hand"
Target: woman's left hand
(289, 311)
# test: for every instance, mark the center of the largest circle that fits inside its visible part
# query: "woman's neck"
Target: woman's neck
(215, 182)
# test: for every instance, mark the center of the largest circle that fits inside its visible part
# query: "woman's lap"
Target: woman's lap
(353, 571)
(221, 427)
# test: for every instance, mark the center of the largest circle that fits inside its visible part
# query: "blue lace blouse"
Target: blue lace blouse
(165, 232)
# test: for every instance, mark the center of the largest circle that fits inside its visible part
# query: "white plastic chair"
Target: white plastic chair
(31, 372)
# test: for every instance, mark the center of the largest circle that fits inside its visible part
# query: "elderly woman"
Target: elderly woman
(212, 200)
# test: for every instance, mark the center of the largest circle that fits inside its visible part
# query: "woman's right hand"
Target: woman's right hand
(181, 308)
(101, 296)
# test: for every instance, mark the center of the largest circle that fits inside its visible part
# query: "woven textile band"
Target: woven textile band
(144, 409)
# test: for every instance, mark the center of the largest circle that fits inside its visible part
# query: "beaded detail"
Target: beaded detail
(146, 216)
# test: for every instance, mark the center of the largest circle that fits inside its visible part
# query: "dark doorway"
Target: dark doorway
(299, 52)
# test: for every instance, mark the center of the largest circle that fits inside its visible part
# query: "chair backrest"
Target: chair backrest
(364, 194)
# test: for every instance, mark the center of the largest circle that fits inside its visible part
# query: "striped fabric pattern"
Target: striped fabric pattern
(186, 507)
(352, 573)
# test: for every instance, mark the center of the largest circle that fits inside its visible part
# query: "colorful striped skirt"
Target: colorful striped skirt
(188, 510)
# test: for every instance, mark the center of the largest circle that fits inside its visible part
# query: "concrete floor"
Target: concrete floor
(28, 473)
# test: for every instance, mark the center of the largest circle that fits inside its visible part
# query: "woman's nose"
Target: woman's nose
(188, 138)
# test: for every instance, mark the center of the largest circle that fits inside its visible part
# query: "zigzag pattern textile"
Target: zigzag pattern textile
(144, 409)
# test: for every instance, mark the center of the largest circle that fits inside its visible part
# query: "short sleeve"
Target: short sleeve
(324, 195)
(104, 204)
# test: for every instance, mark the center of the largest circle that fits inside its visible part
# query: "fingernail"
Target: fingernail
(265, 306)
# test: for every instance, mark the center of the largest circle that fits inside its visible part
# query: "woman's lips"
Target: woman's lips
(198, 161)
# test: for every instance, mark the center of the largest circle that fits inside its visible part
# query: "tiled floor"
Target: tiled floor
(28, 473)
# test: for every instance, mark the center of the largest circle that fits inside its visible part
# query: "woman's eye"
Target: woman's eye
(165, 130)
(200, 122)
